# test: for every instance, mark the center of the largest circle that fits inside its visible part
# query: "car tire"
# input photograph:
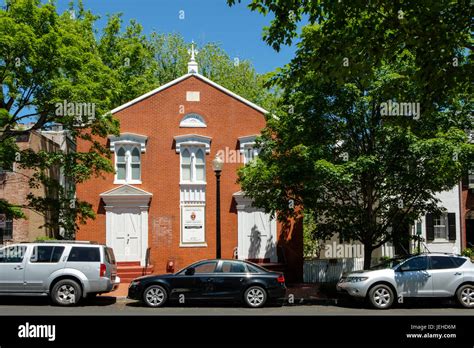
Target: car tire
(66, 292)
(381, 296)
(465, 295)
(255, 297)
(155, 296)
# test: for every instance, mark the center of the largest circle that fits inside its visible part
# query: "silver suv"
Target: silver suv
(426, 275)
(66, 271)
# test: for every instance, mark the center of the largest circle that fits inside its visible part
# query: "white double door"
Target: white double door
(257, 235)
(127, 233)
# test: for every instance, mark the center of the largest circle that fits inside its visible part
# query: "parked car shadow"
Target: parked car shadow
(408, 303)
(45, 301)
(201, 303)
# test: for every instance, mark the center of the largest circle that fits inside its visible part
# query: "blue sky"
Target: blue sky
(236, 28)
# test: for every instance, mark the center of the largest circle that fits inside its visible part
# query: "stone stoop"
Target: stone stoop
(127, 271)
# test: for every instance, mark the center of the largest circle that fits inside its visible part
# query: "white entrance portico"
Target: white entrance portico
(257, 237)
(127, 222)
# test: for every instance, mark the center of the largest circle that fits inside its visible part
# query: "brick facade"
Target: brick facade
(14, 188)
(158, 117)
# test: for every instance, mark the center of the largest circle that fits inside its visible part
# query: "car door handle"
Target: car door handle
(458, 273)
(18, 268)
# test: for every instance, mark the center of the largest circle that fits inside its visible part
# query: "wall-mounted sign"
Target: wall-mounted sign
(192, 225)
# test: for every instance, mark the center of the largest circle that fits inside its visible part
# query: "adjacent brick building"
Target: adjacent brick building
(160, 206)
(14, 188)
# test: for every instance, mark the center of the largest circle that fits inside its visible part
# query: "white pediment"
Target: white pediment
(128, 139)
(126, 194)
(193, 140)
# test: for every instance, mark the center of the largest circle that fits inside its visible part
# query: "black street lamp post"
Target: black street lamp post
(217, 164)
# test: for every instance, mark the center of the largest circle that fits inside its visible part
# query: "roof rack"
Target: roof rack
(64, 242)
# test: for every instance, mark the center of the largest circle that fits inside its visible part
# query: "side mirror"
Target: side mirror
(190, 271)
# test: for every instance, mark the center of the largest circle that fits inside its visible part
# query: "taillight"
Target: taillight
(103, 269)
(281, 279)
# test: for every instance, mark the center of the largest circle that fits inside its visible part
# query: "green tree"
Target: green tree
(335, 150)
(48, 58)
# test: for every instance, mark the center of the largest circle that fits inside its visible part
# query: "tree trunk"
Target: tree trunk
(367, 256)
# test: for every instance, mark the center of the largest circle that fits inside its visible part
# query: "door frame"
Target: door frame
(127, 197)
(244, 205)
(143, 233)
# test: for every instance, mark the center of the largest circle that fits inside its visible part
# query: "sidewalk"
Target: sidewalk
(302, 294)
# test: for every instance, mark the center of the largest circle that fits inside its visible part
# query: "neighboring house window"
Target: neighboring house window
(8, 230)
(441, 227)
(128, 148)
(193, 165)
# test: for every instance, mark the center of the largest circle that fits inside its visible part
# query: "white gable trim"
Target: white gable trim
(182, 78)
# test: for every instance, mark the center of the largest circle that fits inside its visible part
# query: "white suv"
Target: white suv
(425, 275)
(66, 271)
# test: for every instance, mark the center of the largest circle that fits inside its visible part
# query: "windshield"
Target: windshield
(389, 263)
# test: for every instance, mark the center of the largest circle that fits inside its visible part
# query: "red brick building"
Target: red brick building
(161, 201)
(14, 188)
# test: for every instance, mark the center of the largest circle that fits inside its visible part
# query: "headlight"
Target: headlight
(356, 279)
(135, 283)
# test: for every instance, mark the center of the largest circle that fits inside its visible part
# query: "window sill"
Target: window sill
(124, 182)
(190, 183)
(196, 245)
(441, 241)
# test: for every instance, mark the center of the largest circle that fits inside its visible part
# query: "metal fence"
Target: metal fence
(329, 271)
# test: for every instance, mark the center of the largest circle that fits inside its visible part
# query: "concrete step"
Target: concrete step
(129, 271)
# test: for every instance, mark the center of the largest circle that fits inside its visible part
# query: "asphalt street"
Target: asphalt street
(28, 306)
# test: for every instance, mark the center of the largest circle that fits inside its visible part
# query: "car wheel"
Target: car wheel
(255, 297)
(381, 296)
(465, 295)
(155, 296)
(66, 292)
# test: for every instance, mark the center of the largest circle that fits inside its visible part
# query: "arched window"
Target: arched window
(192, 121)
(135, 164)
(121, 164)
(128, 164)
(193, 164)
(128, 149)
(200, 166)
(186, 172)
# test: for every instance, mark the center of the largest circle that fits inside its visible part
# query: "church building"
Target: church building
(158, 211)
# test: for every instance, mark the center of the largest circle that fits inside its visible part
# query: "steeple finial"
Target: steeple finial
(192, 64)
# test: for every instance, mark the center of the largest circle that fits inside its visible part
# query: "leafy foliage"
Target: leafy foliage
(48, 59)
(365, 173)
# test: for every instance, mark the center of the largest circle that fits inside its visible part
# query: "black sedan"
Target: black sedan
(211, 280)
